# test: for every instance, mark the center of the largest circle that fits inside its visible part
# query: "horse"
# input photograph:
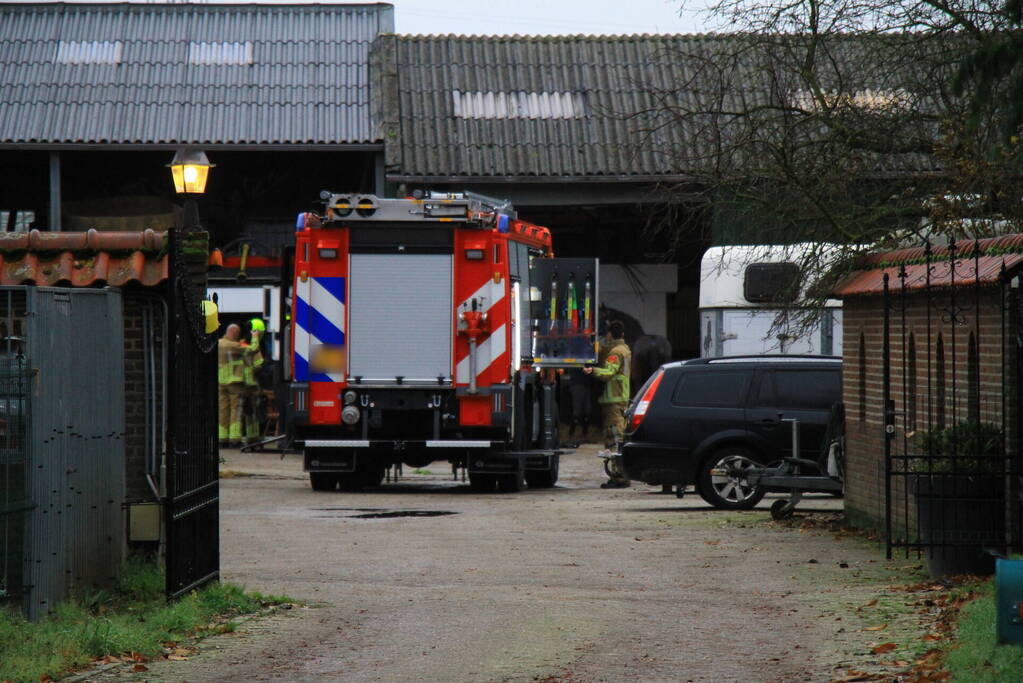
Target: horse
(649, 351)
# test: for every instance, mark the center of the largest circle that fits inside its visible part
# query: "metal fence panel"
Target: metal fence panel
(74, 342)
(951, 407)
(192, 507)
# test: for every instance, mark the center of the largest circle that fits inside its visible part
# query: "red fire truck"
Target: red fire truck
(432, 328)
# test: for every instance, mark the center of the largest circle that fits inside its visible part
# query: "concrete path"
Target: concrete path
(423, 580)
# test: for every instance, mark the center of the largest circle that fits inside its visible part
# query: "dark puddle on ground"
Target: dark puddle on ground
(377, 513)
(403, 513)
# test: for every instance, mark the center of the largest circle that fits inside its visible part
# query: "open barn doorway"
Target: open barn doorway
(650, 265)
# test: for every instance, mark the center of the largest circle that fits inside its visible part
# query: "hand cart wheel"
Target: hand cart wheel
(782, 509)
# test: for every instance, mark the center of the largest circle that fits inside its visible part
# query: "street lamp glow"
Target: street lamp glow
(190, 168)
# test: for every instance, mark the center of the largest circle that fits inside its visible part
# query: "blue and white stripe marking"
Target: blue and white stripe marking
(319, 319)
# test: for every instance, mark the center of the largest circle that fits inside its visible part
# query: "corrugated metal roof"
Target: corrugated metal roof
(82, 259)
(126, 73)
(626, 84)
(977, 261)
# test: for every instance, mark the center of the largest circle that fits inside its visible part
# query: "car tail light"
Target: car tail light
(643, 404)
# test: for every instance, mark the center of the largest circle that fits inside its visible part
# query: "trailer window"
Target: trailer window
(766, 283)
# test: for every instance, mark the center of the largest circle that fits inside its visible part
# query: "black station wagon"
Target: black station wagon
(707, 421)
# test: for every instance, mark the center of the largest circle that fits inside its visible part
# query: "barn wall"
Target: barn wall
(144, 329)
(644, 297)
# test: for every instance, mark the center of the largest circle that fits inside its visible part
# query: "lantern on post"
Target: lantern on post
(190, 168)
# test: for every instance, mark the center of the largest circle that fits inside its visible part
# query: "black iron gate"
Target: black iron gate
(192, 508)
(951, 388)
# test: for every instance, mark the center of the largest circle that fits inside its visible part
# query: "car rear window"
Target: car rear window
(807, 389)
(712, 388)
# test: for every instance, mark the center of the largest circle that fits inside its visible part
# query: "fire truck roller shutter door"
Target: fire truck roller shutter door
(400, 311)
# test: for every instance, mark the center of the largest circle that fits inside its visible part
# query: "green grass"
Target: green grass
(133, 617)
(975, 656)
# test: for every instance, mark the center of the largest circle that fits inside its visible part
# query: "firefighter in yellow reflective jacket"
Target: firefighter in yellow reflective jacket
(614, 372)
(231, 378)
(253, 362)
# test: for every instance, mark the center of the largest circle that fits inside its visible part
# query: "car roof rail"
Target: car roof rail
(774, 359)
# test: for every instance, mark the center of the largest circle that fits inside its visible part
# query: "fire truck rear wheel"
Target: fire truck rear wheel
(511, 483)
(351, 482)
(544, 479)
(323, 481)
(482, 483)
(373, 476)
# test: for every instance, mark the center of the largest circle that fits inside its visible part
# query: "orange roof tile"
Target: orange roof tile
(82, 259)
(977, 261)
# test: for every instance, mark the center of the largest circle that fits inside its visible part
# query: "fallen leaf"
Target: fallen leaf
(883, 647)
(140, 667)
(177, 658)
(879, 627)
(712, 542)
(868, 604)
(931, 637)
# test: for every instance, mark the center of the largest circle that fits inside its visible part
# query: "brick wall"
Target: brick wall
(140, 303)
(942, 389)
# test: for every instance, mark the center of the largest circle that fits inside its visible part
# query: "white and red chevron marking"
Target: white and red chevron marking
(490, 293)
(488, 352)
(475, 280)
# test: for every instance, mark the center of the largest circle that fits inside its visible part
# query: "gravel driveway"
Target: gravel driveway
(423, 580)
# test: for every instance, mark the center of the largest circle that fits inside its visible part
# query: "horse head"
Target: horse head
(633, 328)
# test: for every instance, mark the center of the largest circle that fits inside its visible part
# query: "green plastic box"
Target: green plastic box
(1009, 598)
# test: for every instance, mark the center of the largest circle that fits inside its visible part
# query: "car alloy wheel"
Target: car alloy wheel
(726, 480)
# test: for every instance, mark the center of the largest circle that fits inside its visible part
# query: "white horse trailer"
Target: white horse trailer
(748, 305)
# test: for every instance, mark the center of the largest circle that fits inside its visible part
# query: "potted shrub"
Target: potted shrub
(959, 482)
